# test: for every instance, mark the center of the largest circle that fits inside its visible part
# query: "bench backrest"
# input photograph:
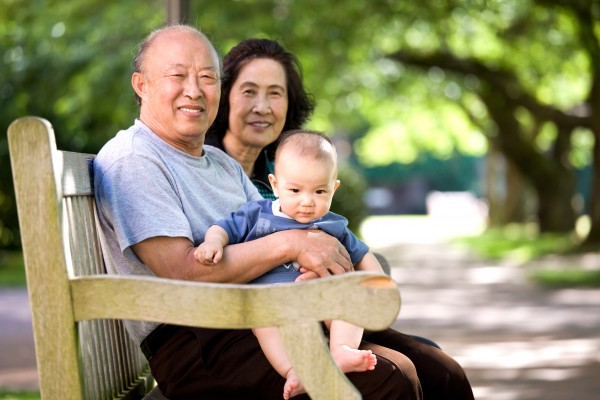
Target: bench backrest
(92, 359)
(82, 349)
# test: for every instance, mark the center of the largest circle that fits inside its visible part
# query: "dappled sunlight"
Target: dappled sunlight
(516, 340)
(450, 214)
(388, 231)
(547, 356)
(529, 369)
(493, 274)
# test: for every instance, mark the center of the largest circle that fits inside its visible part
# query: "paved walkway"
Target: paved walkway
(515, 340)
(17, 360)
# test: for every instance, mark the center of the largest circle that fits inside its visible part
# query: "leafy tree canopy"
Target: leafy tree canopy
(70, 63)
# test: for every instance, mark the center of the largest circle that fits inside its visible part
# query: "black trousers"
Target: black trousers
(198, 363)
(441, 377)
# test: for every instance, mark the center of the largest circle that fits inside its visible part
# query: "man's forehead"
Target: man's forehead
(182, 49)
(179, 39)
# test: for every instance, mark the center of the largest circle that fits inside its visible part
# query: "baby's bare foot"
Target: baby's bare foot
(292, 386)
(353, 360)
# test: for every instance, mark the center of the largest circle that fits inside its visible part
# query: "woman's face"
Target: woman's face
(258, 103)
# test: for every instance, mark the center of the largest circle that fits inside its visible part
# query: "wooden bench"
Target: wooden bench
(82, 349)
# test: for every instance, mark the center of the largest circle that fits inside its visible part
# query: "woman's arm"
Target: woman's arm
(316, 251)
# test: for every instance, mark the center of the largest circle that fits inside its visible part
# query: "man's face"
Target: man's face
(180, 88)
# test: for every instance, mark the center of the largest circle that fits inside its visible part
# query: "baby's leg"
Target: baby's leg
(344, 339)
(272, 345)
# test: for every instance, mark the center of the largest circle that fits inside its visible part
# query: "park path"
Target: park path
(516, 341)
(17, 356)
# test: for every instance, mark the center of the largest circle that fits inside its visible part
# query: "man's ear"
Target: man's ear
(139, 84)
(273, 182)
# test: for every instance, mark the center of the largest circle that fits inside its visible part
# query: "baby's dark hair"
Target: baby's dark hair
(307, 143)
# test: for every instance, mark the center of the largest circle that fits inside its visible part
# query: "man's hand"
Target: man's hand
(320, 255)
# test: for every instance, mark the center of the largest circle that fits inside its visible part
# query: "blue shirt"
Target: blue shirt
(259, 218)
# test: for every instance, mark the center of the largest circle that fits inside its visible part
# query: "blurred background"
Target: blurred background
(490, 97)
(470, 110)
(493, 97)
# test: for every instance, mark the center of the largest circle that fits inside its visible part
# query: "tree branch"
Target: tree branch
(499, 80)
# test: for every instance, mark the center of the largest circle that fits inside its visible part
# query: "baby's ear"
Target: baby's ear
(273, 182)
(336, 185)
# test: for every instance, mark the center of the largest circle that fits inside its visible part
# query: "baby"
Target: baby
(304, 181)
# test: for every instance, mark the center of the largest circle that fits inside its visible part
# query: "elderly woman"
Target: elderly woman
(262, 95)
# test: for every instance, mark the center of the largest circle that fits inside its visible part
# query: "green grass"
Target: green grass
(567, 277)
(522, 244)
(12, 269)
(18, 395)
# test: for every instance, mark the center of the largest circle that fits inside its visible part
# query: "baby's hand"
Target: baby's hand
(208, 253)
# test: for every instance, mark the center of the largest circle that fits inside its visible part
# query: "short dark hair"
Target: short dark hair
(307, 143)
(301, 103)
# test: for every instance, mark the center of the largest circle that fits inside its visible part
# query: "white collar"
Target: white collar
(276, 208)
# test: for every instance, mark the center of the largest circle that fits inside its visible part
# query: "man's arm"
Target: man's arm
(318, 252)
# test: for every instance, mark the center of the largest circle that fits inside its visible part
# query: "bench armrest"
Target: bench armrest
(351, 297)
(296, 308)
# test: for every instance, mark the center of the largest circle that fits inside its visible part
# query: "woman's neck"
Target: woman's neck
(245, 155)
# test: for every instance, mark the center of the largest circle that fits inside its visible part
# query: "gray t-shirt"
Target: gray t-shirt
(146, 188)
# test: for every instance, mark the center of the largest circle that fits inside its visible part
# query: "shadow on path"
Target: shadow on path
(515, 340)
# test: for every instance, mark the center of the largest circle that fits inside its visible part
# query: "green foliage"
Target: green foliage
(19, 395)
(519, 242)
(522, 244)
(457, 173)
(68, 62)
(566, 277)
(348, 199)
(12, 268)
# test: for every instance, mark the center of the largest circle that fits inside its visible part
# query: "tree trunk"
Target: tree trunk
(555, 203)
(506, 191)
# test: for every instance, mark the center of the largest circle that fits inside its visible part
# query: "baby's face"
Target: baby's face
(305, 187)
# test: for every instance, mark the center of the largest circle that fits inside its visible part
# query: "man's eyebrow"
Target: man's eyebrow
(179, 65)
(175, 66)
